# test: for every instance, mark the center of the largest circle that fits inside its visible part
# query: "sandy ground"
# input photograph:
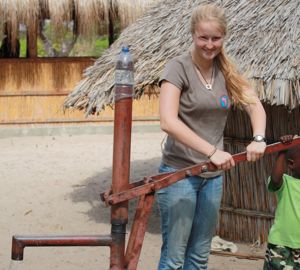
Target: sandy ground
(50, 185)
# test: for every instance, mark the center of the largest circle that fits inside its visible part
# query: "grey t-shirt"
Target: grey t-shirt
(204, 111)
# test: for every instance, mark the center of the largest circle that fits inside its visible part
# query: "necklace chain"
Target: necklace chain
(208, 85)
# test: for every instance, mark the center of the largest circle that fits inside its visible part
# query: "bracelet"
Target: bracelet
(212, 152)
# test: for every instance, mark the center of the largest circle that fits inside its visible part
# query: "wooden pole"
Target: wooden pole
(31, 50)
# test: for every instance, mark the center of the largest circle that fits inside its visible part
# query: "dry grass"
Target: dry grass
(130, 10)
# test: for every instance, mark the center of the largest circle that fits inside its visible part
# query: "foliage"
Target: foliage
(23, 47)
(81, 47)
(90, 48)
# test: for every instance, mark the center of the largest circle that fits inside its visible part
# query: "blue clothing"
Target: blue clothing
(189, 212)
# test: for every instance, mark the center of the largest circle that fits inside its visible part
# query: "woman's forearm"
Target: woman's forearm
(257, 117)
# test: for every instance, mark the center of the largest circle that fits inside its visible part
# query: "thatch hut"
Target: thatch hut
(264, 41)
(32, 89)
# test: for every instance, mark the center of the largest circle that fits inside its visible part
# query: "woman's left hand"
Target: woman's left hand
(255, 150)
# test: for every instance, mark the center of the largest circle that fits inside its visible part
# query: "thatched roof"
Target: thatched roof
(88, 14)
(264, 40)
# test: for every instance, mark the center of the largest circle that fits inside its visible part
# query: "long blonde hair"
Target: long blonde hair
(235, 82)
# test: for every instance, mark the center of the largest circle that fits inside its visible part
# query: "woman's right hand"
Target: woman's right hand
(223, 160)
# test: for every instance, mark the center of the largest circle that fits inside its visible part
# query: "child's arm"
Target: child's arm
(280, 167)
(278, 170)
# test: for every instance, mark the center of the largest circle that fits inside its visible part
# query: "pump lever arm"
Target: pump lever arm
(156, 182)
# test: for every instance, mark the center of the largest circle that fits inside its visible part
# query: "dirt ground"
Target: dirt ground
(50, 185)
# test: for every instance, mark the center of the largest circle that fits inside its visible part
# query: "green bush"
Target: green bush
(81, 48)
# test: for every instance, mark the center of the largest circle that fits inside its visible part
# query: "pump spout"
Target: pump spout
(20, 242)
(17, 249)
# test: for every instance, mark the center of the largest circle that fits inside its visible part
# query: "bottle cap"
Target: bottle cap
(125, 49)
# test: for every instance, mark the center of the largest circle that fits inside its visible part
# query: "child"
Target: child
(283, 250)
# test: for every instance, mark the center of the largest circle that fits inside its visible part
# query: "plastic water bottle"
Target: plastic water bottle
(124, 79)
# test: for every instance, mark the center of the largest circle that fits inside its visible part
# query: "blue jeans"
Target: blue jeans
(189, 212)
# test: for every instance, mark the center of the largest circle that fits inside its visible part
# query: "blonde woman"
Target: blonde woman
(197, 90)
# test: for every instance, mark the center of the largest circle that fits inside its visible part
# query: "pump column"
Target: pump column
(121, 155)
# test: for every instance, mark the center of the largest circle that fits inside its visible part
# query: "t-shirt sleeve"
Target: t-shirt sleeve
(174, 73)
(272, 188)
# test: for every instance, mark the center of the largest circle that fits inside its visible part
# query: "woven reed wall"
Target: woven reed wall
(32, 91)
(247, 208)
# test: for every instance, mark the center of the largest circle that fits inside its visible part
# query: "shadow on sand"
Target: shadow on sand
(89, 191)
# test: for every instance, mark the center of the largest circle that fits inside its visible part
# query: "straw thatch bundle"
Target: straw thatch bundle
(14, 12)
(88, 15)
(263, 37)
(131, 9)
